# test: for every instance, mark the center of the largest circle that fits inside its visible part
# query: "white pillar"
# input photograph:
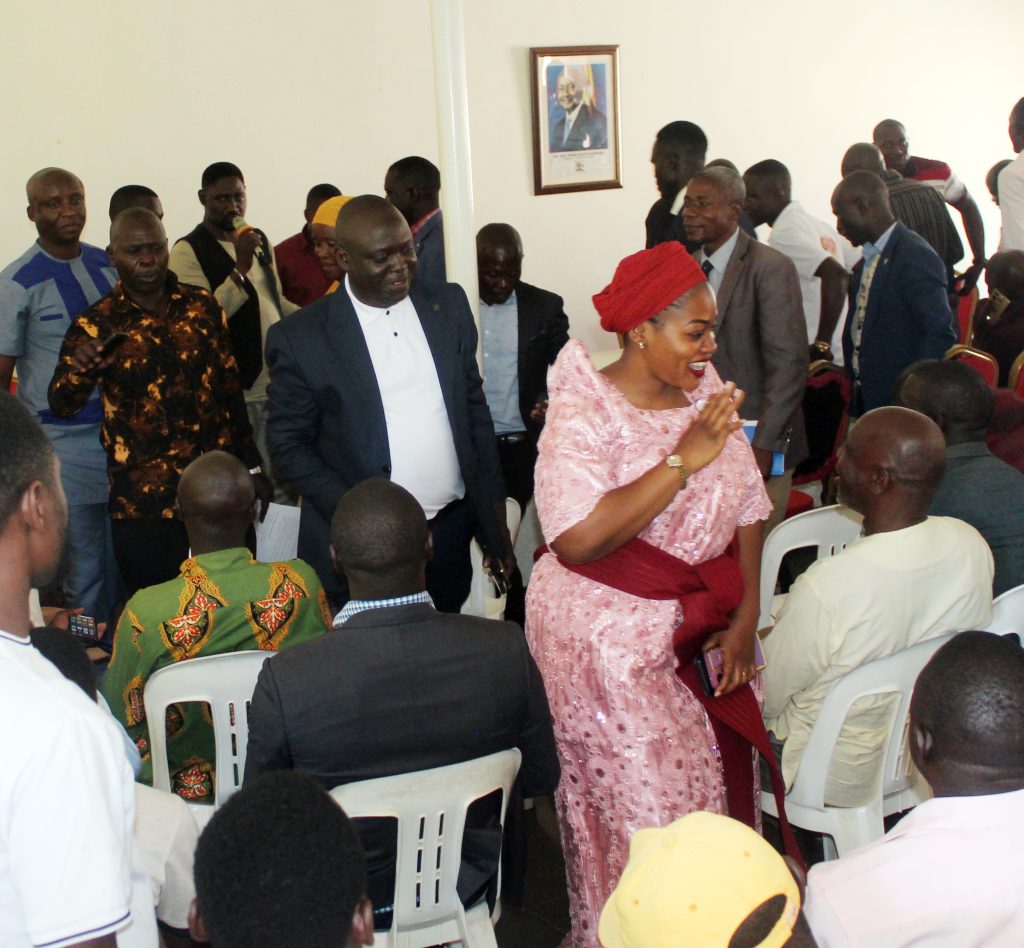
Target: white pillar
(455, 153)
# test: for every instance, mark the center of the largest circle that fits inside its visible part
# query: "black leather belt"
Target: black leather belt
(512, 437)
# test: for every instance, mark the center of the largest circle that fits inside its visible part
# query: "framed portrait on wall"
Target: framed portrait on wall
(575, 118)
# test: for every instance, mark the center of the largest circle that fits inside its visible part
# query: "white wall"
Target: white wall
(121, 91)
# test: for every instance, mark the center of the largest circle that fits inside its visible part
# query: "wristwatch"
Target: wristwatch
(822, 346)
(256, 470)
(675, 461)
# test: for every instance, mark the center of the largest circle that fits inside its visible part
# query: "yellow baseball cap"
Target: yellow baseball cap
(693, 882)
(327, 213)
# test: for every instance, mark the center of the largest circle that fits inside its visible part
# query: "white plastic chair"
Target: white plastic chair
(226, 683)
(830, 529)
(1008, 613)
(431, 806)
(483, 600)
(897, 784)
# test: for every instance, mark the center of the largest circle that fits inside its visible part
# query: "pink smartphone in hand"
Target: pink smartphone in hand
(711, 663)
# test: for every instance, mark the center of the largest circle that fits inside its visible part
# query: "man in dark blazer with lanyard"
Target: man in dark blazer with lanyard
(899, 311)
(377, 380)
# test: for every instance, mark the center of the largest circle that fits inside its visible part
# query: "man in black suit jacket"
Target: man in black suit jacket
(899, 310)
(524, 329)
(398, 687)
(375, 380)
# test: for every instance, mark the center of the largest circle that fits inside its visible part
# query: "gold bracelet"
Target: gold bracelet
(676, 461)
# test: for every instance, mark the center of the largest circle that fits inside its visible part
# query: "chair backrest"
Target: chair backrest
(985, 364)
(1015, 380)
(431, 807)
(1008, 612)
(965, 307)
(226, 683)
(482, 600)
(827, 414)
(894, 675)
(828, 529)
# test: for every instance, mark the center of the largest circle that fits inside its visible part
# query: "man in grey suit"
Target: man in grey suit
(380, 379)
(762, 339)
(413, 185)
(398, 686)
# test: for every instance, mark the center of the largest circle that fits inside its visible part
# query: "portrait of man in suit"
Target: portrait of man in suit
(581, 127)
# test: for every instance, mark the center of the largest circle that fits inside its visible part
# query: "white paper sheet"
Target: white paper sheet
(277, 538)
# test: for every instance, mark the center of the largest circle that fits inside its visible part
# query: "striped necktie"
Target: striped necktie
(863, 292)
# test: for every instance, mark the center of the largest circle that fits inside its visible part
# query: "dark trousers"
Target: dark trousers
(148, 551)
(517, 455)
(450, 572)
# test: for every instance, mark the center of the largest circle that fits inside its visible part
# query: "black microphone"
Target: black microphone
(241, 227)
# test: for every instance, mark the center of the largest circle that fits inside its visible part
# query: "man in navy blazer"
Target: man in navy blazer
(378, 379)
(899, 311)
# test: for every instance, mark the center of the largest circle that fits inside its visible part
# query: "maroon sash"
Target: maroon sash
(708, 593)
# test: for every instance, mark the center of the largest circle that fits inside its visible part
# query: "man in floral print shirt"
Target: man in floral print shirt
(170, 391)
(222, 601)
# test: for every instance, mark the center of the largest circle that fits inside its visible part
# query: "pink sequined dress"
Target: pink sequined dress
(636, 747)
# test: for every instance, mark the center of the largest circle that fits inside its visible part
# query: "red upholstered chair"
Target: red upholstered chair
(965, 316)
(827, 416)
(982, 361)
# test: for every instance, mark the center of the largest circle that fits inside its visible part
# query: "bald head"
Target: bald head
(1006, 274)
(952, 394)
(216, 499)
(890, 467)
(863, 157)
(367, 211)
(133, 219)
(46, 177)
(380, 540)
(967, 716)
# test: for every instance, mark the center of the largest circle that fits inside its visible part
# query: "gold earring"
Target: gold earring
(641, 344)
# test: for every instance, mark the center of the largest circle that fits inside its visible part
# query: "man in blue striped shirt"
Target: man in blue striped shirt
(41, 293)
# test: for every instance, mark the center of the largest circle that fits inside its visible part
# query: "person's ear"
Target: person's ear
(922, 745)
(201, 193)
(196, 928)
(30, 211)
(881, 480)
(362, 924)
(342, 257)
(336, 562)
(639, 335)
(34, 506)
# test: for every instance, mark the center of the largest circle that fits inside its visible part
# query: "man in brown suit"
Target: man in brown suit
(762, 339)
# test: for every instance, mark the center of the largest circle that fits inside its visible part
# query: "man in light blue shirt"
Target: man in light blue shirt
(41, 293)
(523, 329)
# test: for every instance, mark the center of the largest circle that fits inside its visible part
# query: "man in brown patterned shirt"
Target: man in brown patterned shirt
(159, 352)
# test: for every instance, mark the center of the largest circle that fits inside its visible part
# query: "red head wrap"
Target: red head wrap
(644, 284)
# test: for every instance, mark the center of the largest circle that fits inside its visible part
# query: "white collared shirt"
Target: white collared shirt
(423, 457)
(720, 260)
(948, 875)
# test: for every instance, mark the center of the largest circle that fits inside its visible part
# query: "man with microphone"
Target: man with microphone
(236, 263)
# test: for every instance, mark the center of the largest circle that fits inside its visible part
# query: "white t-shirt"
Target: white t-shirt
(883, 593)
(808, 242)
(1011, 204)
(167, 835)
(69, 870)
(423, 457)
(948, 875)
